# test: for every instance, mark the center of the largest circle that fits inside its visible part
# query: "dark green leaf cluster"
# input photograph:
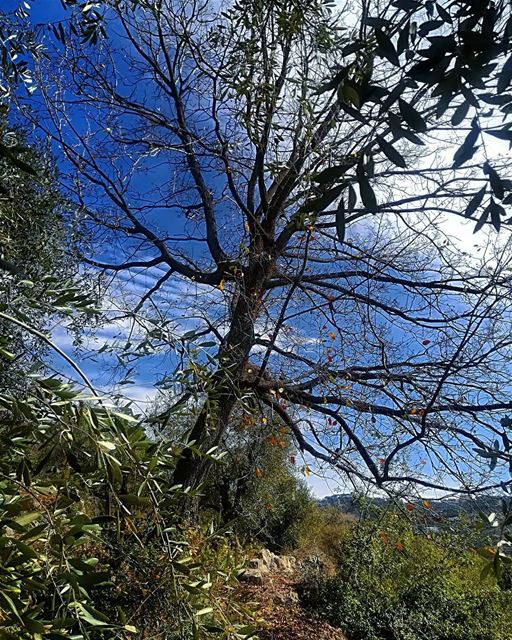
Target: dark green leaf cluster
(453, 55)
(393, 582)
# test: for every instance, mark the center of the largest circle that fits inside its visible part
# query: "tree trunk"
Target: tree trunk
(213, 420)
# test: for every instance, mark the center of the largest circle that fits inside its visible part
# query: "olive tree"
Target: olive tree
(286, 171)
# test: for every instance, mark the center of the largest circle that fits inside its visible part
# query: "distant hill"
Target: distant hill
(446, 508)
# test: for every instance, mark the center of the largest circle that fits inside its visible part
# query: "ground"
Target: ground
(285, 619)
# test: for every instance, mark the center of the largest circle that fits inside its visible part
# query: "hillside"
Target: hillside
(447, 508)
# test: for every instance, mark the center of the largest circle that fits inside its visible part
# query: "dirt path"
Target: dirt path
(285, 619)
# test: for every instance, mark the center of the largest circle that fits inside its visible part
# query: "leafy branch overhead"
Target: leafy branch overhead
(456, 57)
(228, 163)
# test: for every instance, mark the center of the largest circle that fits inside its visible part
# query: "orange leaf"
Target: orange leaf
(426, 504)
(332, 335)
(399, 546)
(221, 285)
(409, 507)
(259, 473)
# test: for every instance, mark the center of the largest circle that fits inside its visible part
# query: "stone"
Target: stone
(251, 576)
(269, 559)
(289, 598)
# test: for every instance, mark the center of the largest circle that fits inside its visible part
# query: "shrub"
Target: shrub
(394, 584)
(258, 489)
(89, 540)
(323, 533)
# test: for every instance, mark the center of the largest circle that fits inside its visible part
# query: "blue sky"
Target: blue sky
(100, 368)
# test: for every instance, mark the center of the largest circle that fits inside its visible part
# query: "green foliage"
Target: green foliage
(257, 486)
(395, 584)
(38, 236)
(322, 533)
(81, 488)
(35, 229)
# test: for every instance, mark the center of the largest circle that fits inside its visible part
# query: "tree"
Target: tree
(288, 164)
(257, 489)
(38, 239)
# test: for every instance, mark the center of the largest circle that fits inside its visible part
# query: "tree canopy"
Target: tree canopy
(280, 199)
(290, 167)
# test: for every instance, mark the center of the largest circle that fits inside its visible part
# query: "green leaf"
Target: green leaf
(341, 222)
(6, 354)
(395, 124)
(475, 202)
(124, 416)
(81, 565)
(349, 94)
(468, 149)
(93, 579)
(391, 153)
(386, 48)
(27, 518)
(34, 626)
(135, 500)
(247, 631)
(443, 14)
(84, 614)
(504, 134)
(495, 181)
(403, 38)
(352, 197)
(460, 113)
(26, 550)
(106, 445)
(367, 195)
(406, 5)
(322, 202)
(412, 117)
(505, 76)
(430, 25)
(11, 605)
(113, 468)
(483, 219)
(329, 175)
(496, 211)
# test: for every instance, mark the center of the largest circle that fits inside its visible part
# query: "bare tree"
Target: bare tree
(275, 159)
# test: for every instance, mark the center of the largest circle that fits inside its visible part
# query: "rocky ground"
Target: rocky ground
(270, 581)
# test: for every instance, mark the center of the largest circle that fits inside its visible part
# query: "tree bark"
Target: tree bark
(213, 419)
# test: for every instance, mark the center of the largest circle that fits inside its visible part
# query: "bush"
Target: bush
(323, 533)
(258, 489)
(394, 584)
(91, 544)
